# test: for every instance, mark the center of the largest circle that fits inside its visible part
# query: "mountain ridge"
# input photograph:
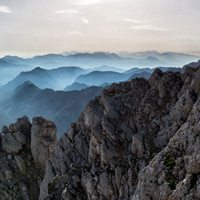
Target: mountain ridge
(88, 59)
(56, 78)
(62, 107)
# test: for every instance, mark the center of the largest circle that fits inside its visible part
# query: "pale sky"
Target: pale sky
(29, 27)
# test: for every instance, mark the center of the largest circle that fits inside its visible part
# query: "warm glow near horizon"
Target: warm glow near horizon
(30, 27)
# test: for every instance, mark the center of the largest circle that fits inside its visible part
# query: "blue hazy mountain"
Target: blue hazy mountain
(95, 55)
(71, 78)
(26, 93)
(136, 70)
(78, 59)
(10, 66)
(107, 68)
(177, 58)
(12, 62)
(86, 60)
(76, 86)
(167, 58)
(59, 106)
(101, 77)
(75, 78)
(55, 78)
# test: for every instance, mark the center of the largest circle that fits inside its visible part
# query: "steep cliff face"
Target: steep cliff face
(140, 140)
(21, 166)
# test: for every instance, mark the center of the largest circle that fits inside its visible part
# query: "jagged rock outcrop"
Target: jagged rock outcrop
(43, 137)
(21, 170)
(140, 141)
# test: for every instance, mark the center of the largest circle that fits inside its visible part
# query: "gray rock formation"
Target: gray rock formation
(139, 141)
(43, 137)
(21, 170)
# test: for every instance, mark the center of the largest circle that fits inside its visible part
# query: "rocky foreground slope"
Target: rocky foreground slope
(24, 149)
(139, 141)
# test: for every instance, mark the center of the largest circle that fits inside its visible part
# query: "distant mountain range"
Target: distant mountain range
(76, 86)
(10, 66)
(99, 78)
(33, 91)
(58, 60)
(27, 93)
(54, 79)
(170, 58)
(76, 78)
(60, 106)
(123, 59)
(72, 78)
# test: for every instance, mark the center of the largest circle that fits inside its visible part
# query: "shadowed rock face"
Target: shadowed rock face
(43, 137)
(140, 141)
(24, 150)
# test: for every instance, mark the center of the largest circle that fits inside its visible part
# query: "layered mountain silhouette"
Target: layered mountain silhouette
(60, 106)
(10, 66)
(32, 93)
(76, 86)
(62, 77)
(99, 77)
(123, 59)
(59, 94)
(55, 78)
(172, 58)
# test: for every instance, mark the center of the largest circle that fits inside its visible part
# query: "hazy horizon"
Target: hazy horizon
(74, 52)
(36, 27)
